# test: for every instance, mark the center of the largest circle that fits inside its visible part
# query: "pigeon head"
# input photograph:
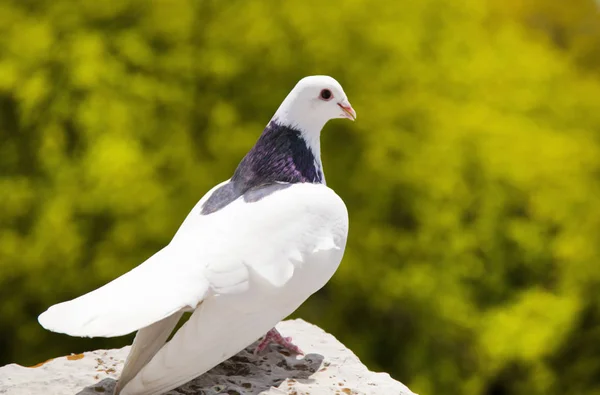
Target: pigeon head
(289, 150)
(314, 101)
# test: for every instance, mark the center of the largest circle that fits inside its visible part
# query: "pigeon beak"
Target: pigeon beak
(348, 111)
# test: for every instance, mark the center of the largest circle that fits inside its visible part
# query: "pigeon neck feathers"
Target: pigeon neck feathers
(283, 155)
(288, 150)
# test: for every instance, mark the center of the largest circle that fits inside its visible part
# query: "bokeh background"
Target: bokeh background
(472, 175)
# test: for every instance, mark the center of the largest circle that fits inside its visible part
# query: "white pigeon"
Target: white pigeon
(249, 253)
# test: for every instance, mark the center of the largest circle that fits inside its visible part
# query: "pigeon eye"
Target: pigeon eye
(326, 94)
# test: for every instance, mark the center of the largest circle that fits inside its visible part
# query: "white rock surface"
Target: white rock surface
(327, 368)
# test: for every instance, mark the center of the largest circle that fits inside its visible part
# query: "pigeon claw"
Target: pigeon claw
(273, 336)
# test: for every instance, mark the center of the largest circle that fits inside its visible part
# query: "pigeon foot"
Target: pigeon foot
(273, 336)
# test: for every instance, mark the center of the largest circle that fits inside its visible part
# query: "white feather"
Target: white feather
(301, 229)
(156, 289)
(146, 344)
(250, 264)
(150, 292)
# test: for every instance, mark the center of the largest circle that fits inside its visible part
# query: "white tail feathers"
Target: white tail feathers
(146, 344)
(137, 299)
(217, 330)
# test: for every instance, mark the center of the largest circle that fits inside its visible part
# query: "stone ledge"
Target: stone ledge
(327, 368)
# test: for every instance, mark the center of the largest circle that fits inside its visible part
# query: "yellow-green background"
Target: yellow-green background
(472, 175)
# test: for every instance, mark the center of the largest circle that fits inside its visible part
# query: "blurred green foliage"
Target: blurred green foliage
(471, 176)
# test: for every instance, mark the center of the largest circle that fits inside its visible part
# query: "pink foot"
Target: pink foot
(273, 336)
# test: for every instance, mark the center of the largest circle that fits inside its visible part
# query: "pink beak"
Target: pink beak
(348, 110)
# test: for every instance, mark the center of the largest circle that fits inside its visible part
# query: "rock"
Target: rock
(327, 368)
